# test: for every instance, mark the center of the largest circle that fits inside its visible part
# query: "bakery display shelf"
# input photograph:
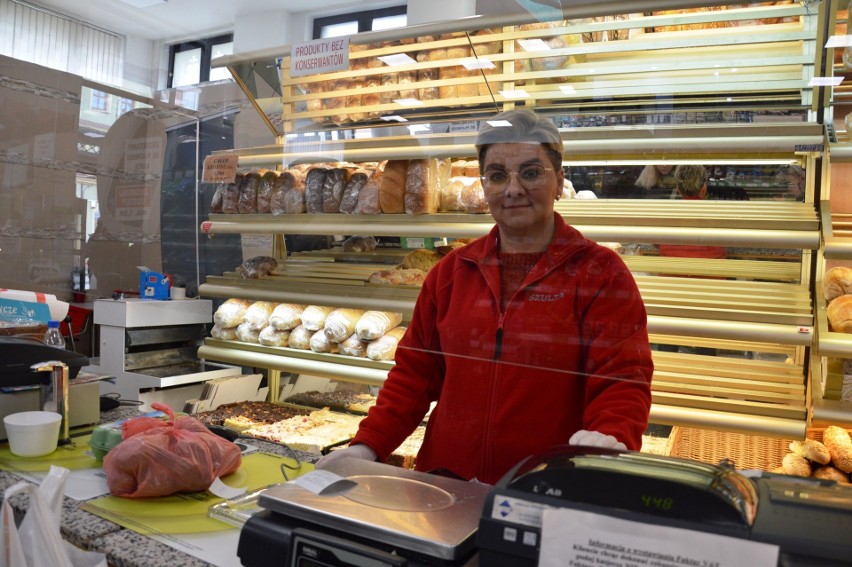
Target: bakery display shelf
(836, 233)
(829, 343)
(722, 144)
(710, 267)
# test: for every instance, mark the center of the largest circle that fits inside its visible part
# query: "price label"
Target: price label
(220, 169)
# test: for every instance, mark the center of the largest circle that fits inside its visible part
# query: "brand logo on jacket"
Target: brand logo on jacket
(546, 297)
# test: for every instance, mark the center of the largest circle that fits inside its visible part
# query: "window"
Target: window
(357, 22)
(124, 105)
(99, 101)
(189, 62)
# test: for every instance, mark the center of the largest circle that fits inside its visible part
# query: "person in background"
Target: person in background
(794, 179)
(691, 186)
(656, 182)
(529, 337)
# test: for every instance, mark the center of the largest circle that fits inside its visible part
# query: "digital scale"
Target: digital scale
(393, 517)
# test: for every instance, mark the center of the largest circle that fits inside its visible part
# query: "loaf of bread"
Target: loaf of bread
(471, 168)
(384, 348)
(231, 196)
(341, 323)
(839, 445)
(314, 316)
(247, 334)
(423, 182)
(276, 199)
(392, 187)
(257, 314)
(374, 324)
(413, 277)
(218, 197)
(349, 200)
(390, 95)
(426, 74)
(836, 282)
(796, 465)
(265, 190)
(319, 343)
(226, 334)
(231, 313)
(332, 189)
(830, 473)
(421, 259)
(353, 346)
(300, 338)
(451, 196)
(257, 267)
(473, 198)
(270, 336)
(812, 450)
(314, 183)
(839, 313)
(358, 243)
(368, 198)
(286, 316)
(248, 192)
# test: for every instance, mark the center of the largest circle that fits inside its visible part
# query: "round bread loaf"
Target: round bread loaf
(836, 282)
(839, 313)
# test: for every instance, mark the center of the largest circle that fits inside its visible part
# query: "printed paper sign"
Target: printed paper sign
(220, 169)
(319, 56)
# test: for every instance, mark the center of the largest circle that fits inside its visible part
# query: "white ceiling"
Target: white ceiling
(179, 19)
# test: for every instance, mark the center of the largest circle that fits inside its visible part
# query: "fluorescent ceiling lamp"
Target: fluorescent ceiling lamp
(499, 123)
(515, 94)
(474, 63)
(839, 41)
(714, 161)
(93, 135)
(567, 89)
(394, 118)
(396, 59)
(533, 44)
(825, 81)
(143, 3)
(408, 102)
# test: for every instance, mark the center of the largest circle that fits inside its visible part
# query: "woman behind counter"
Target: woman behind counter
(529, 337)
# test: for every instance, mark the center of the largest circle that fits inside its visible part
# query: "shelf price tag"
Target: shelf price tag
(319, 56)
(220, 169)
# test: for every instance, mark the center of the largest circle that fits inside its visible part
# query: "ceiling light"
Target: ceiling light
(396, 59)
(408, 102)
(515, 94)
(143, 3)
(533, 44)
(839, 41)
(825, 81)
(474, 63)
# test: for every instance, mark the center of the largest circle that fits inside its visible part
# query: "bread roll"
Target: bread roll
(392, 187)
(226, 334)
(384, 348)
(413, 277)
(353, 346)
(837, 441)
(257, 314)
(831, 473)
(314, 183)
(473, 198)
(286, 316)
(300, 338)
(231, 313)
(836, 282)
(265, 191)
(839, 313)
(319, 343)
(314, 316)
(795, 465)
(374, 324)
(341, 323)
(246, 333)
(421, 259)
(812, 450)
(270, 336)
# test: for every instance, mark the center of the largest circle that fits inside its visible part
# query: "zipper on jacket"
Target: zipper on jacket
(498, 346)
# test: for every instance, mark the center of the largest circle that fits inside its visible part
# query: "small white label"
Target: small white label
(510, 534)
(517, 511)
(324, 482)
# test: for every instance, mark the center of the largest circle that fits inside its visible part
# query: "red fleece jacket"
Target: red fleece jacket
(570, 352)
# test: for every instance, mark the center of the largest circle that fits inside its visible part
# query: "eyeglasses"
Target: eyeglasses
(531, 176)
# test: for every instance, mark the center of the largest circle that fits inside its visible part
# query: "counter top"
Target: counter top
(123, 547)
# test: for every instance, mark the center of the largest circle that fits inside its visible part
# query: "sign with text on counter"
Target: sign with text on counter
(220, 169)
(319, 56)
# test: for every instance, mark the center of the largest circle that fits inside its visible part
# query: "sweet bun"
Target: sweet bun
(836, 282)
(839, 313)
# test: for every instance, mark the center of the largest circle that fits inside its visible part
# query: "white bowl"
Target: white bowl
(32, 433)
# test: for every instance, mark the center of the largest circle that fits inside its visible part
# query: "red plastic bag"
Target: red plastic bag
(158, 458)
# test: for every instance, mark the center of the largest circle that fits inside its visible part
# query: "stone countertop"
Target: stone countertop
(123, 547)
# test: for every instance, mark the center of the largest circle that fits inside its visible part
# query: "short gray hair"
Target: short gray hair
(521, 126)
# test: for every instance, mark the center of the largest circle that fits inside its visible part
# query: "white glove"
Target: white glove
(596, 439)
(359, 451)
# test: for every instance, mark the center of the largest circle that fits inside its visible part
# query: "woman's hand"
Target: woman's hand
(596, 439)
(360, 451)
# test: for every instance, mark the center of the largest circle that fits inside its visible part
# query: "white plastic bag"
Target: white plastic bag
(37, 541)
